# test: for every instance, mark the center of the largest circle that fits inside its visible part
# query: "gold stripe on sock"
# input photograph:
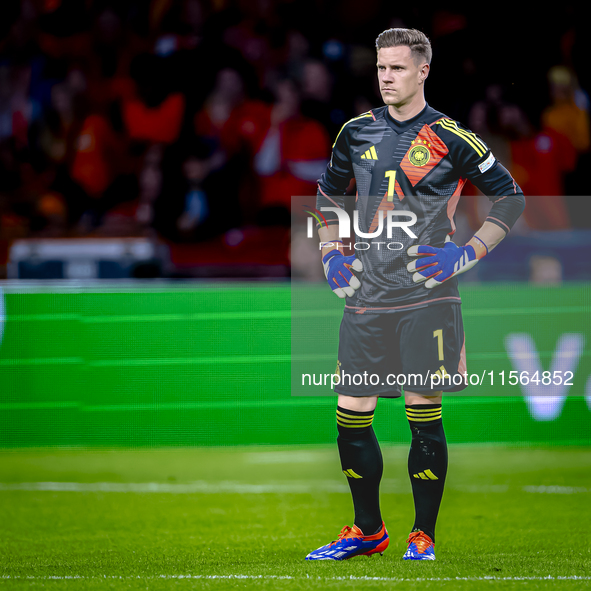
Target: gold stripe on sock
(353, 425)
(423, 410)
(346, 416)
(349, 422)
(423, 415)
(424, 420)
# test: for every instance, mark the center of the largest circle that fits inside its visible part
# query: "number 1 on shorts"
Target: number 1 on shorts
(438, 334)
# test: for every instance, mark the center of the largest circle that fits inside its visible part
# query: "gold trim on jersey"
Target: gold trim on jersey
(368, 114)
(470, 138)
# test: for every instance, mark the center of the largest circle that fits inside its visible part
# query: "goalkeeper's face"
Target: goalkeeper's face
(399, 75)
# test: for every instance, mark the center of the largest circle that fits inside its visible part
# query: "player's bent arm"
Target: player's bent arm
(489, 234)
(503, 214)
(476, 163)
(440, 264)
(506, 210)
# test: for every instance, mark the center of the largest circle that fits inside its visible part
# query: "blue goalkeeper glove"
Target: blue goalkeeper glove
(337, 268)
(441, 264)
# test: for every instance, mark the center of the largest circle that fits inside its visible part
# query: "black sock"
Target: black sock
(427, 464)
(361, 460)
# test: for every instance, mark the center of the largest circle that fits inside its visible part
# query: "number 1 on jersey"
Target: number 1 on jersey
(391, 176)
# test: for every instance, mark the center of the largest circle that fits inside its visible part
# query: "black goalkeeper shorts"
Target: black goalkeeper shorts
(421, 350)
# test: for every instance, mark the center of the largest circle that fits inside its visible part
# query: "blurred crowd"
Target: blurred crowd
(190, 119)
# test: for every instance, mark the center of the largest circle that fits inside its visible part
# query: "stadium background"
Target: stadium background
(156, 305)
(190, 125)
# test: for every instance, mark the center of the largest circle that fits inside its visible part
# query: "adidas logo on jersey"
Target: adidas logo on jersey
(370, 154)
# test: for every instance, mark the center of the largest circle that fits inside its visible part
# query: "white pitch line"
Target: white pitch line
(293, 578)
(179, 488)
(556, 490)
(392, 486)
(278, 457)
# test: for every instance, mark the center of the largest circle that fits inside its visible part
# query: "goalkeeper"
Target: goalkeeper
(402, 314)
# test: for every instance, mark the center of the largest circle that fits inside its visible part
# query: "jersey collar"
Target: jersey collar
(402, 126)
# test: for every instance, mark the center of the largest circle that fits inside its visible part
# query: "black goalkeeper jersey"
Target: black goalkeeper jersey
(420, 166)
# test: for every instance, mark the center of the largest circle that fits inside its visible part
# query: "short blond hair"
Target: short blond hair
(420, 46)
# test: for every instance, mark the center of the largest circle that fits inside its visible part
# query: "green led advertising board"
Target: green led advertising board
(220, 364)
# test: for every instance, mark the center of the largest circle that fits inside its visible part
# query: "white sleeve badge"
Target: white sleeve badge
(484, 166)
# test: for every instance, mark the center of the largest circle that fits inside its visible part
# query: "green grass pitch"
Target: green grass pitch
(245, 518)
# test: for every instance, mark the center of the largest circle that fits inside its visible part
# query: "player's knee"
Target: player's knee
(358, 403)
(412, 398)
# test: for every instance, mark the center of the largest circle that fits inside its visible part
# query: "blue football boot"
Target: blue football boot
(351, 542)
(420, 547)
